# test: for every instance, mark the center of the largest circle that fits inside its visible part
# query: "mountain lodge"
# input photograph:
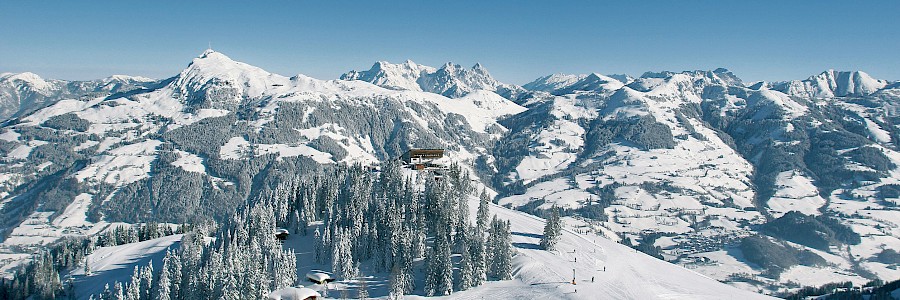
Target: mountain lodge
(423, 159)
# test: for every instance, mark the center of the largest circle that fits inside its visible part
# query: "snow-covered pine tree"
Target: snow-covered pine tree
(295, 222)
(466, 269)
(478, 253)
(319, 245)
(163, 286)
(107, 292)
(552, 230)
(133, 291)
(481, 219)
(398, 283)
(500, 266)
(146, 283)
(176, 272)
(439, 273)
(119, 292)
(342, 264)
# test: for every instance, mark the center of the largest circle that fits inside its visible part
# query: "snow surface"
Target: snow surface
(795, 192)
(116, 263)
(122, 165)
(629, 274)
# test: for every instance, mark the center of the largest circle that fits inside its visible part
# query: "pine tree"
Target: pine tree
(399, 282)
(87, 266)
(177, 277)
(342, 258)
(466, 269)
(500, 266)
(295, 222)
(107, 293)
(146, 282)
(478, 253)
(319, 246)
(481, 219)
(439, 273)
(163, 284)
(133, 291)
(119, 292)
(552, 230)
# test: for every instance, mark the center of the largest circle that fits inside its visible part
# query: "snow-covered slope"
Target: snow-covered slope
(602, 268)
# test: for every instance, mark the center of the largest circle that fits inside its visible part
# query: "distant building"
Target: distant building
(422, 159)
(319, 277)
(282, 234)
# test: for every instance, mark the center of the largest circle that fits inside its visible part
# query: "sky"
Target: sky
(517, 41)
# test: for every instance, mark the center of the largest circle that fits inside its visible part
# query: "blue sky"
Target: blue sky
(516, 40)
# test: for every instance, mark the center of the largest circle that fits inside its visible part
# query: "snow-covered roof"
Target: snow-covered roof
(319, 276)
(293, 293)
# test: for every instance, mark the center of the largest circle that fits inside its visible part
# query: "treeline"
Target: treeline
(874, 290)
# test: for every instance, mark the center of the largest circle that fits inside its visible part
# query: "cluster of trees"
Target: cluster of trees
(873, 290)
(398, 224)
(41, 277)
(776, 257)
(818, 232)
(391, 221)
(386, 220)
(123, 234)
(552, 230)
(243, 261)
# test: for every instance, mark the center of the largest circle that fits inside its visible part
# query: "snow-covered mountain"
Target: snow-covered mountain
(190, 146)
(23, 93)
(450, 80)
(694, 167)
(832, 83)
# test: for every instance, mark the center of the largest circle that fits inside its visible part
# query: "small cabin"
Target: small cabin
(293, 293)
(423, 159)
(282, 234)
(319, 277)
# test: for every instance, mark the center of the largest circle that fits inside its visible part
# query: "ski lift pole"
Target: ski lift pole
(575, 259)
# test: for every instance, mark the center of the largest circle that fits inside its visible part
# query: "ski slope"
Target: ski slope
(116, 263)
(628, 274)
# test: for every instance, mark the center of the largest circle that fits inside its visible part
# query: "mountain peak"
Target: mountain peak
(214, 73)
(831, 83)
(34, 80)
(207, 52)
(451, 80)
